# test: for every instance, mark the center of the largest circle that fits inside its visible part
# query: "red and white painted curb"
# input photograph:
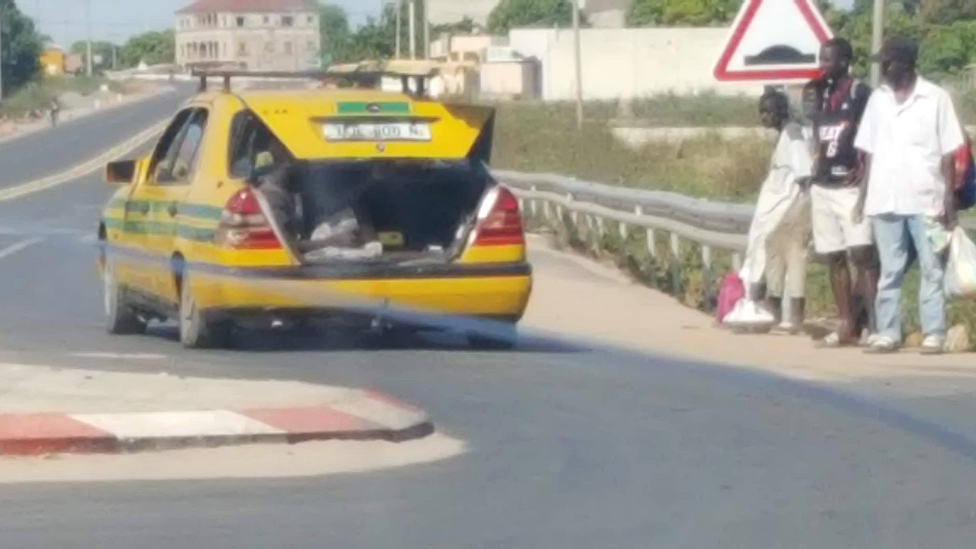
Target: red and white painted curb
(372, 416)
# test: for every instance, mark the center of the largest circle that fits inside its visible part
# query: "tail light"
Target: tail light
(499, 221)
(244, 225)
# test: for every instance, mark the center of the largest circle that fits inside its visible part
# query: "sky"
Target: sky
(116, 20)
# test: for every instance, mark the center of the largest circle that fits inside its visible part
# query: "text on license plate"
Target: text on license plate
(377, 131)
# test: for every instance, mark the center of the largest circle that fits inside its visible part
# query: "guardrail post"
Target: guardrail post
(706, 252)
(676, 264)
(573, 214)
(651, 241)
(622, 227)
(533, 204)
(546, 213)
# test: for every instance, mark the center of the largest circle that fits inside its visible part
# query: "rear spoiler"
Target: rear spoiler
(363, 74)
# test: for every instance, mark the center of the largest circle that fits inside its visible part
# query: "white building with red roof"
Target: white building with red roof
(260, 35)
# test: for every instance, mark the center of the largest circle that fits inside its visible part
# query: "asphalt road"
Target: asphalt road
(51, 150)
(569, 447)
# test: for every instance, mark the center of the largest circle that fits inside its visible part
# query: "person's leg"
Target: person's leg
(891, 234)
(931, 294)
(865, 260)
(840, 285)
(775, 274)
(796, 274)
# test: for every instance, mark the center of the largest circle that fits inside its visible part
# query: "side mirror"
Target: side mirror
(121, 172)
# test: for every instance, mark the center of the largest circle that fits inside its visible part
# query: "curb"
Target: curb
(371, 416)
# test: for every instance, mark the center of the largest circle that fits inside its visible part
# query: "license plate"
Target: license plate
(377, 131)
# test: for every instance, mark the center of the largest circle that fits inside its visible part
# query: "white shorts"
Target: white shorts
(833, 230)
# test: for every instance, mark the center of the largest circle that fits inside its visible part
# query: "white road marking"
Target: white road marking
(119, 356)
(11, 250)
(177, 424)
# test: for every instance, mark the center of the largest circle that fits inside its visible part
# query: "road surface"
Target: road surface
(567, 447)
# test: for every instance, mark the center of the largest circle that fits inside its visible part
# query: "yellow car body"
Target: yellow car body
(160, 228)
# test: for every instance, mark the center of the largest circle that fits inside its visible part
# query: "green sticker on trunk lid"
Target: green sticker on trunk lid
(380, 107)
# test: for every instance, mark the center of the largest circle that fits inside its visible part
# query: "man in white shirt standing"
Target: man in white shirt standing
(909, 133)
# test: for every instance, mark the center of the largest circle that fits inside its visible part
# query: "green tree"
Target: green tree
(509, 14)
(21, 47)
(944, 12)
(464, 26)
(681, 12)
(334, 27)
(152, 47)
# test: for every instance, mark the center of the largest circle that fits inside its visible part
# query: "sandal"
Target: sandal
(833, 341)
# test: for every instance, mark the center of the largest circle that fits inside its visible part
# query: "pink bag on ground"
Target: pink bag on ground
(729, 293)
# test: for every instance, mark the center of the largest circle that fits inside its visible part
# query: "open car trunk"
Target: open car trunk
(400, 211)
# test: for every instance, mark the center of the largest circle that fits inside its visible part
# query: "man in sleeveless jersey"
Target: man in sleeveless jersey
(838, 170)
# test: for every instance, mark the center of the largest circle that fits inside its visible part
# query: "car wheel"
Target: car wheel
(196, 332)
(120, 317)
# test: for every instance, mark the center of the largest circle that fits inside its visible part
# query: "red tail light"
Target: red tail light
(244, 226)
(500, 225)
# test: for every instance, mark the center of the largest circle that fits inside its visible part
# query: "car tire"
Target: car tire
(120, 317)
(196, 331)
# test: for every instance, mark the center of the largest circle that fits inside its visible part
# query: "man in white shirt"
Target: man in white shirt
(909, 133)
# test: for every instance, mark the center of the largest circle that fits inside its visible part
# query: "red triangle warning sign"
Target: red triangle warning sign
(773, 41)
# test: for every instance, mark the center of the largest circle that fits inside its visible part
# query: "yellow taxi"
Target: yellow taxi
(265, 208)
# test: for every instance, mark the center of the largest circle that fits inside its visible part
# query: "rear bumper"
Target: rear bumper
(491, 291)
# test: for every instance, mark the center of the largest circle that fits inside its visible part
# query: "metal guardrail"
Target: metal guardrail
(712, 225)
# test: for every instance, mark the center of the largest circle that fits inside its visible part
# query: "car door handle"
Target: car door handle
(173, 209)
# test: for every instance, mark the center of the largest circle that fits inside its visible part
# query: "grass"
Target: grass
(537, 137)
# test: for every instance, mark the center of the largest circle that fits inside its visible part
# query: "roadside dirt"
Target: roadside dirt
(635, 317)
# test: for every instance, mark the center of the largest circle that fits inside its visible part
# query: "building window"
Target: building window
(242, 48)
(240, 21)
(310, 46)
(287, 21)
(225, 49)
(267, 20)
(288, 48)
(223, 21)
(269, 47)
(311, 19)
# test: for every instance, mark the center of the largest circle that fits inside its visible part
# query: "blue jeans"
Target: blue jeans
(892, 233)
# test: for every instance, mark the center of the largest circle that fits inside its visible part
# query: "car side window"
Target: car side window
(180, 160)
(253, 147)
(168, 141)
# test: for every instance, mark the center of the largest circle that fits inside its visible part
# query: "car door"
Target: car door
(166, 190)
(136, 267)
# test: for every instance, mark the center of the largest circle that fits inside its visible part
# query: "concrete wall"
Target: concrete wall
(508, 79)
(262, 43)
(460, 48)
(627, 63)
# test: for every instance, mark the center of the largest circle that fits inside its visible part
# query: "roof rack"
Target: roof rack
(368, 73)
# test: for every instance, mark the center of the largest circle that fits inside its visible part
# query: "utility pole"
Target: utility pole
(1, 51)
(399, 8)
(89, 71)
(578, 54)
(413, 29)
(877, 36)
(426, 31)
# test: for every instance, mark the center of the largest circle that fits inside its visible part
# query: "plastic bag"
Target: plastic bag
(749, 316)
(729, 293)
(960, 276)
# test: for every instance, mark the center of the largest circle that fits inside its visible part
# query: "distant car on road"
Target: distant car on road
(267, 208)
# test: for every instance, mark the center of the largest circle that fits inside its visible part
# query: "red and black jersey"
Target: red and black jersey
(835, 125)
